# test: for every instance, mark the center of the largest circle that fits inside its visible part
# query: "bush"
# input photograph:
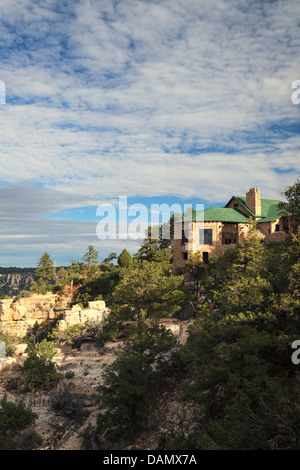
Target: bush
(78, 334)
(40, 331)
(13, 417)
(131, 383)
(38, 369)
(69, 375)
(68, 403)
(70, 335)
(28, 440)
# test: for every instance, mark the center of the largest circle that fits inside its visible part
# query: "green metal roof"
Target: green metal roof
(217, 214)
(269, 211)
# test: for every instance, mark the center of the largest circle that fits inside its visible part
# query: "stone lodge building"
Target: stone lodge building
(216, 229)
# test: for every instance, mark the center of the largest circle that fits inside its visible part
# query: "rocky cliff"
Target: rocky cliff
(12, 282)
(16, 316)
(81, 370)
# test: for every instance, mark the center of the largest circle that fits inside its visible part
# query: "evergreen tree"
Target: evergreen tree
(125, 259)
(195, 270)
(147, 289)
(292, 206)
(132, 382)
(38, 369)
(90, 261)
(239, 355)
(45, 271)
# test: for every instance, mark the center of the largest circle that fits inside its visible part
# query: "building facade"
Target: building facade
(214, 230)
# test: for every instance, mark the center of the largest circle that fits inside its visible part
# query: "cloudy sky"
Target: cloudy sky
(162, 100)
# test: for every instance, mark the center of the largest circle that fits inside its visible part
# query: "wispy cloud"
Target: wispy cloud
(136, 97)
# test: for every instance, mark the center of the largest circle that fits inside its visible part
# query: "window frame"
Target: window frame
(203, 236)
(232, 240)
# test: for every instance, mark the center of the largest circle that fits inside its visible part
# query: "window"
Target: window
(277, 228)
(184, 239)
(185, 255)
(228, 238)
(235, 205)
(205, 236)
(205, 257)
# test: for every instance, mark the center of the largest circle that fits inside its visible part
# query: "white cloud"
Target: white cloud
(180, 97)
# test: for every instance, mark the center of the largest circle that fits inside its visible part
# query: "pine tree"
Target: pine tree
(131, 383)
(90, 261)
(239, 355)
(45, 271)
(148, 289)
(291, 208)
(125, 259)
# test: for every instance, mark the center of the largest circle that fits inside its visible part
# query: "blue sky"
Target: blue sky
(159, 101)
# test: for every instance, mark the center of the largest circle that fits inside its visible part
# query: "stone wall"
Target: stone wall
(194, 245)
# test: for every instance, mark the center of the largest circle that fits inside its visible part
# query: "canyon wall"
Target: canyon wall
(12, 283)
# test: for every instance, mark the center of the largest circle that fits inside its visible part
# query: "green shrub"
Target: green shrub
(69, 375)
(132, 382)
(70, 335)
(13, 417)
(38, 369)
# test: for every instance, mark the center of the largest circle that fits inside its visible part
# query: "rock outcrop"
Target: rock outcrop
(96, 312)
(16, 316)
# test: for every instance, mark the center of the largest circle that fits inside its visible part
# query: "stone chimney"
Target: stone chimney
(253, 201)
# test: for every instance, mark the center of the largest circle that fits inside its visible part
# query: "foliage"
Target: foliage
(102, 283)
(38, 369)
(147, 289)
(158, 238)
(132, 381)
(125, 259)
(66, 402)
(41, 331)
(194, 270)
(70, 335)
(90, 262)
(29, 439)
(238, 355)
(292, 206)
(13, 417)
(175, 442)
(77, 334)
(45, 271)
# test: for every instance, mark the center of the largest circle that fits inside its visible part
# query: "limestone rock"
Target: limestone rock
(96, 312)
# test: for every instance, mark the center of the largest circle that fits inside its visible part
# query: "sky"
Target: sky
(186, 101)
